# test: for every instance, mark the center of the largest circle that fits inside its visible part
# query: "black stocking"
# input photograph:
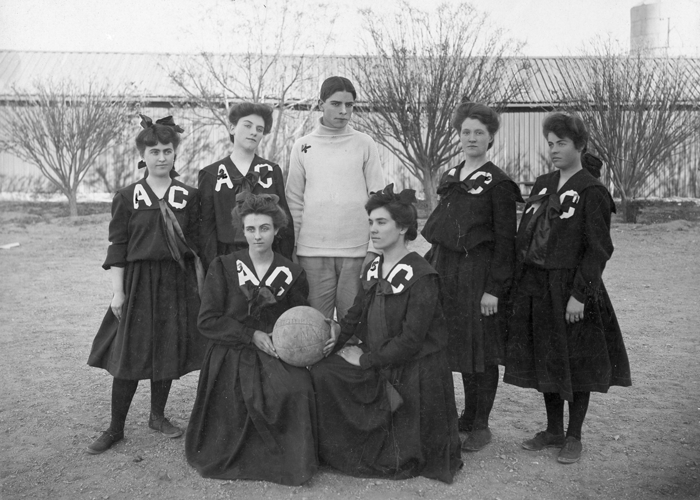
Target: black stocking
(122, 393)
(577, 413)
(159, 396)
(479, 395)
(555, 413)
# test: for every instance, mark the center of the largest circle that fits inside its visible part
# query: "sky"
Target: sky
(548, 27)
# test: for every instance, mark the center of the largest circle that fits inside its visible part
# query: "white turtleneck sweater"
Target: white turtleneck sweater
(331, 173)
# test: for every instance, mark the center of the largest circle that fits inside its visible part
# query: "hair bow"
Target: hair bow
(592, 163)
(168, 121)
(270, 198)
(405, 197)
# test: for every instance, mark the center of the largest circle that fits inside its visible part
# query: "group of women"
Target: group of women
(381, 403)
(530, 298)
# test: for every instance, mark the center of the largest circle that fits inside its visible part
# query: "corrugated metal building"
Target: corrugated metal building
(519, 146)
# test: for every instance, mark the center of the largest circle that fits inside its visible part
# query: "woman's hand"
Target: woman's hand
(116, 275)
(351, 354)
(263, 342)
(489, 304)
(574, 310)
(117, 304)
(335, 333)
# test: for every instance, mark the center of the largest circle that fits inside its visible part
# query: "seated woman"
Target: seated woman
(386, 408)
(254, 416)
(564, 339)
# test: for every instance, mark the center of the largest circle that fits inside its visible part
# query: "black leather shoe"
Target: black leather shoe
(571, 452)
(163, 425)
(477, 440)
(544, 440)
(104, 442)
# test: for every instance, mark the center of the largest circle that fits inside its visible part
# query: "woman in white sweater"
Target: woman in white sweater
(332, 171)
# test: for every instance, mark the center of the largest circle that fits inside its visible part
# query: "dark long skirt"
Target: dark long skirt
(254, 418)
(475, 341)
(359, 435)
(157, 338)
(546, 353)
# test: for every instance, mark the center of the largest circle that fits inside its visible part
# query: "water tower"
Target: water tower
(666, 27)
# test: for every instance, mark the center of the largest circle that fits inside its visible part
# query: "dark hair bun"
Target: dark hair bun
(400, 206)
(263, 204)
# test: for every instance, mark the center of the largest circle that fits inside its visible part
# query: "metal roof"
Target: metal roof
(548, 74)
(142, 71)
(148, 74)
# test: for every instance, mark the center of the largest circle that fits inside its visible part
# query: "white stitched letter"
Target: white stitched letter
(395, 271)
(259, 169)
(574, 199)
(245, 275)
(140, 195)
(287, 280)
(476, 175)
(373, 272)
(222, 177)
(171, 197)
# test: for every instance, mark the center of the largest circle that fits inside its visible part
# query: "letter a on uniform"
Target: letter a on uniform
(222, 178)
(141, 195)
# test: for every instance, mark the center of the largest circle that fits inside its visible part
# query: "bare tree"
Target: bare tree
(116, 168)
(638, 110)
(198, 140)
(418, 67)
(62, 127)
(272, 65)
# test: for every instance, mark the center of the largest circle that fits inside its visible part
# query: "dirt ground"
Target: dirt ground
(640, 443)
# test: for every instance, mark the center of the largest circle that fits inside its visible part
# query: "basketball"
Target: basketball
(299, 335)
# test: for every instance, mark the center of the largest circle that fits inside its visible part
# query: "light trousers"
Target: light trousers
(333, 283)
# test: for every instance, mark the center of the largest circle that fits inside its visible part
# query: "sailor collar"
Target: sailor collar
(478, 182)
(143, 197)
(402, 276)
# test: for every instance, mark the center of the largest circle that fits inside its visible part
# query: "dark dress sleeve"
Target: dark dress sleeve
(420, 311)
(286, 234)
(504, 212)
(598, 246)
(118, 233)
(298, 294)
(193, 223)
(207, 216)
(351, 320)
(216, 321)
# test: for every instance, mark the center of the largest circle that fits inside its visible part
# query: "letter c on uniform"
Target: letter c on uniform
(171, 197)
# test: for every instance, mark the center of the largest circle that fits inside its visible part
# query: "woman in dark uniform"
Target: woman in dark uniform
(386, 407)
(150, 330)
(224, 184)
(472, 232)
(564, 339)
(254, 416)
